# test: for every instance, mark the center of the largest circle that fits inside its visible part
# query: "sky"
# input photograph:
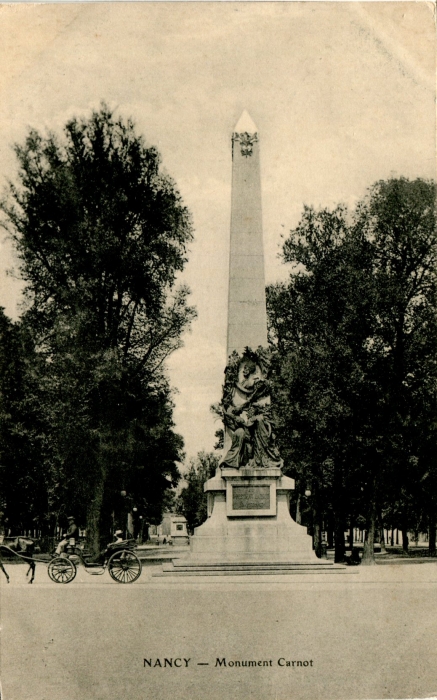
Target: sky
(343, 94)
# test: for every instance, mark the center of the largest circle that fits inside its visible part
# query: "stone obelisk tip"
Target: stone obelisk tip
(245, 124)
(247, 318)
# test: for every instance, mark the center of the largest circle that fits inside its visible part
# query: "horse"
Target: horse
(24, 547)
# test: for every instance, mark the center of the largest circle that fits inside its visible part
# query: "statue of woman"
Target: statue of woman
(251, 428)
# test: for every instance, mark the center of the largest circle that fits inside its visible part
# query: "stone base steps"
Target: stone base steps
(181, 568)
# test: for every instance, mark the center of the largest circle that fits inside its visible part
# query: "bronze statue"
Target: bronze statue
(246, 413)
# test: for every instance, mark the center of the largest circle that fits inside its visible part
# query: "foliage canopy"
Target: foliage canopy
(355, 338)
(101, 234)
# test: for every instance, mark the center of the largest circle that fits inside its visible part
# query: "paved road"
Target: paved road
(366, 636)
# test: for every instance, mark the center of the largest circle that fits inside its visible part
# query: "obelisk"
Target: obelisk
(249, 525)
(249, 528)
(247, 318)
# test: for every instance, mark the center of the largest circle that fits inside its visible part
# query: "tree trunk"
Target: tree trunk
(432, 537)
(369, 549)
(317, 531)
(382, 535)
(93, 518)
(405, 540)
(382, 540)
(340, 549)
(338, 512)
(317, 522)
(298, 515)
(317, 539)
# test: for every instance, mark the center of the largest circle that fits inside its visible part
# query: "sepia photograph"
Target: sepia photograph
(218, 350)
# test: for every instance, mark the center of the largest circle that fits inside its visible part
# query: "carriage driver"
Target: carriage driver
(73, 531)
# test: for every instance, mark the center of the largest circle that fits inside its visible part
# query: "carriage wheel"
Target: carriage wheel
(124, 567)
(62, 570)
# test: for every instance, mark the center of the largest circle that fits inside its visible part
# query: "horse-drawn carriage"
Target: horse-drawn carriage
(118, 558)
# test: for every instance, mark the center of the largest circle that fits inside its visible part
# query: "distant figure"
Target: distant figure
(72, 532)
(354, 558)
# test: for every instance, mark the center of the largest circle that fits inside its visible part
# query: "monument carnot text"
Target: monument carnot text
(249, 528)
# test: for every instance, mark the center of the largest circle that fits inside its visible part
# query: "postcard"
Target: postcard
(161, 164)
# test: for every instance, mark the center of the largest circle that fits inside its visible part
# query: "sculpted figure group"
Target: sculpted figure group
(246, 413)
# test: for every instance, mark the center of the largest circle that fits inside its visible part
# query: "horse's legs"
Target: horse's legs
(32, 567)
(4, 571)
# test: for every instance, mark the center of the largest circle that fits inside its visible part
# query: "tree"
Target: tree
(354, 338)
(192, 501)
(318, 324)
(101, 235)
(398, 217)
(22, 488)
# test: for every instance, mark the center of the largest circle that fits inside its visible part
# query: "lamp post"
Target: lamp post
(140, 534)
(129, 515)
(134, 522)
(124, 513)
(311, 492)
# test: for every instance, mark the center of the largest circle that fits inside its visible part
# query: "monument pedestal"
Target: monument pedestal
(249, 519)
(249, 529)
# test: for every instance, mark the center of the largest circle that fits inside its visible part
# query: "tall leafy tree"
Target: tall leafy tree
(398, 218)
(354, 334)
(319, 323)
(101, 234)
